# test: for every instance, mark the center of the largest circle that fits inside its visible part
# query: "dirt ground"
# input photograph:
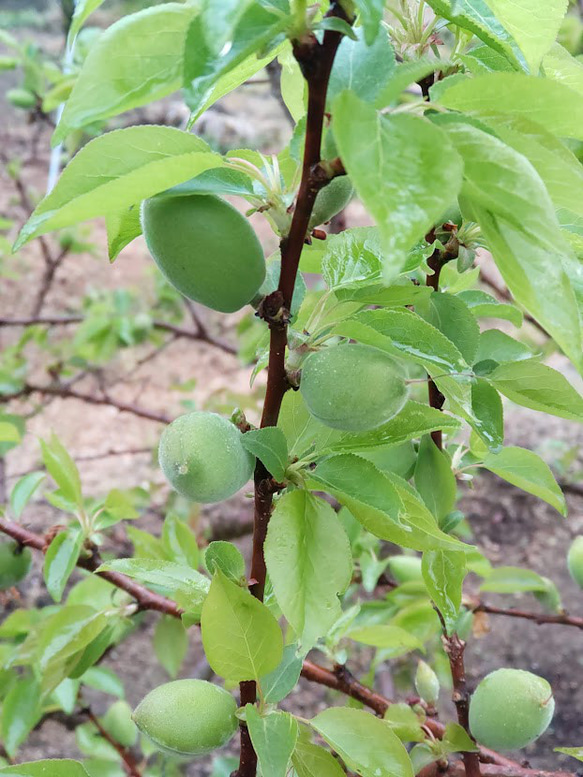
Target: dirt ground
(512, 528)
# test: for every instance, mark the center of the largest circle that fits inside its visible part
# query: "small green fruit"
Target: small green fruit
(333, 198)
(187, 717)
(118, 722)
(21, 98)
(203, 457)
(405, 569)
(575, 560)
(352, 387)
(426, 683)
(205, 248)
(510, 708)
(15, 563)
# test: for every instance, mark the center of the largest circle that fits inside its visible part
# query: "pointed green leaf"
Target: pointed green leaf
(122, 227)
(276, 685)
(274, 737)
(450, 314)
(241, 638)
(488, 410)
(62, 469)
(388, 637)
(314, 761)
(179, 541)
(60, 561)
(309, 563)
(47, 768)
(434, 479)
(23, 491)
(513, 580)
(83, 9)
(20, 713)
(362, 67)
(170, 643)
(444, 572)
(270, 447)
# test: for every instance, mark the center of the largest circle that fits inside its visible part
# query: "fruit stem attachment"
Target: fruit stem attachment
(315, 60)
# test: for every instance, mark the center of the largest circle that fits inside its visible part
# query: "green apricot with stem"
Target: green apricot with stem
(511, 708)
(330, 200)
(353, 387)
(15, 563)
(205, 248)
(187, 717)
(575, 560)
(203, 458)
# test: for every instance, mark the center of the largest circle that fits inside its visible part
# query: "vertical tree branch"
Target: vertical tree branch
(315, 60)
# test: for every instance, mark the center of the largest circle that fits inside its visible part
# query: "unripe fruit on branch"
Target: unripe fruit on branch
(405, 568)
(15, 562)
(510, 709)
(575, 560)
(352, 387)
(21, 98)
(205, 248)
(330, 200)
(187, 717)
(203, 457)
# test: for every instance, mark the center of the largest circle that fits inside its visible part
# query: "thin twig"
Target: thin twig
(129, 762)
(502, 292)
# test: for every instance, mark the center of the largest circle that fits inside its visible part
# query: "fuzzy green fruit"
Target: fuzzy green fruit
(21, 98)
(575, 560)
(510, 708)
(118, 722)
(203, 457)
(205, 248)
(187, 717)
(14, 564)
(352, 387)
(333, 198)
(405, 568)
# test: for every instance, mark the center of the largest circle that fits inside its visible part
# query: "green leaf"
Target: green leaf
(384, 504)
(23, 492)
(184, 584)
(62, 469)
(274, 737)
(414, 420)
(137, 60)
(457, 740)
(526, 470)
(270, 447)
(364, 742)
(13, 421)
(122, 227)
(219, 20)
(362, 67)
(309, 563)
(453, 318)
(513, 580)
(477, 16)
(444, 572)
(9, 432)
(434, 479)
(499, 347)
(560, 65)
(60, 561)
(550, 103)
(404, 722)
(534, 25)
(47, 768)
(20, 713)
(483, 305)
(257, 31)
(226, 557)
(392, 638)
(140, 162)
(575, 752)
(534, 385)
(314, 761)
(179, 541)
(518, 221)
(370, 14)
(276, 685)
(301, 429)
(403, 75)
(241, 638)
(405, 171)
(170, 644)
(83, 10)
(105, 680)
(489, 412)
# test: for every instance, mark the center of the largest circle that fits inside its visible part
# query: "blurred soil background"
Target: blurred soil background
(511, 527)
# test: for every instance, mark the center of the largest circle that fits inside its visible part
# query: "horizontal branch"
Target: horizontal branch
(66, 392)
(129, 762)
(340, 679)
(203, 335)
(537, 617)
(456, 769)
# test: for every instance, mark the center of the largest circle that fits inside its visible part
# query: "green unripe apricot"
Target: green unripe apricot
(14, 564)
(118, 722)
(352, 387)
(575, 560)
(187, 717)
(405, 569)
(21, 98)
(205, 248)
(203, 457)
(330, 200)
(510, 708)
